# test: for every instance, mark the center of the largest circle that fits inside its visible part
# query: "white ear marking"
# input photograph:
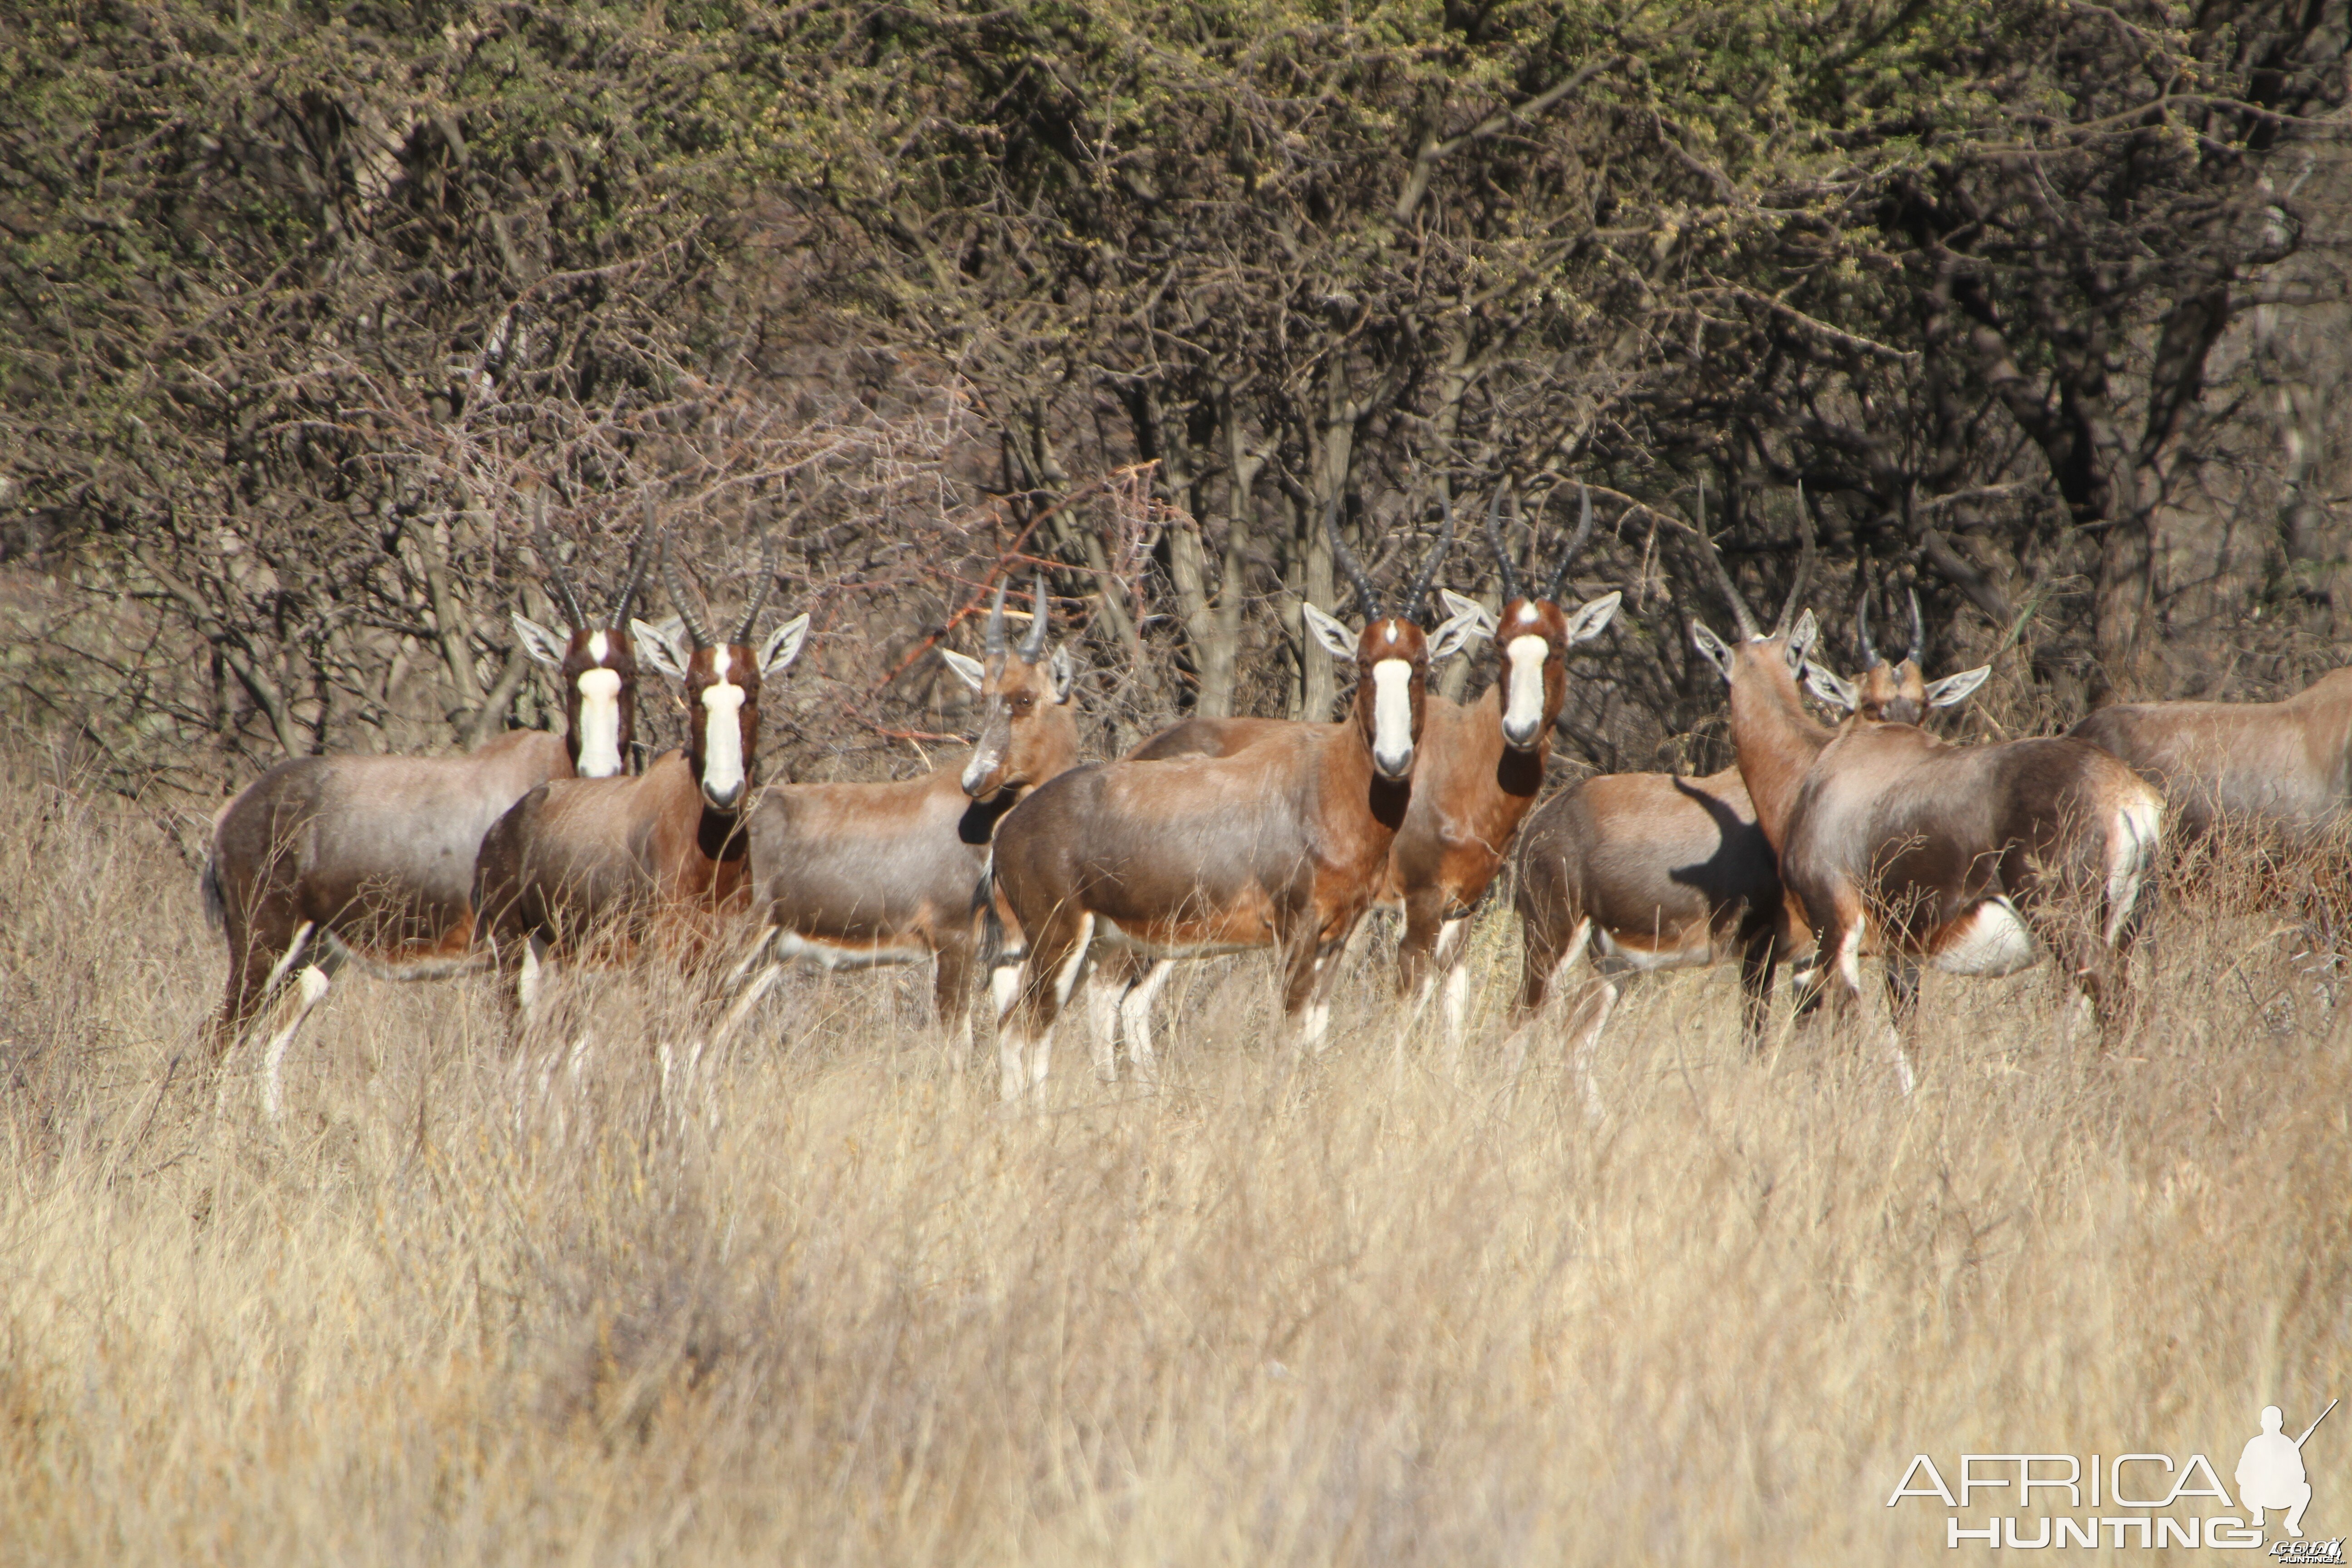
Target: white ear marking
(1592, 619)
(1337, 640)
(783, 645)
(1457, 630)
(1717, 653)
(659, 648)
(1954, 689)
(1462, 605)
(1061, 673)
(542, 646)
(1832, 687)
(973, 673)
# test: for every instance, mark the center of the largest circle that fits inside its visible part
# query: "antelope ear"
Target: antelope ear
(1954, 689)
(783, 645)
(1462, 605)
(1337, 640)
(1455, 631)
(1061, 673)
(1592, 619)
(543, 646)
(1719, 652)
(1801, 638)
(974, 673)
(660, 648)
(1832, 687)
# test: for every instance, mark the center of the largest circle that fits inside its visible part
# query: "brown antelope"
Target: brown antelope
(611, 861)
(1479, 769)
(1895, 691)
(1282, 844)
(850, 875)
(1894, 842)
(325, 859)
(1647, 871)
(2280, 768)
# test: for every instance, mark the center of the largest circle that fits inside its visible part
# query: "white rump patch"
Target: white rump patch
(2131, 855)
(1393, 715)
(1524, 697)
(600, 719)
(1989, 940)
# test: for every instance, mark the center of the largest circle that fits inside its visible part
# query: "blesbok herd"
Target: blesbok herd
(1822, 845)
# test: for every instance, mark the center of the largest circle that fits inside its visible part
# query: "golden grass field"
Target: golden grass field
(814, 1300)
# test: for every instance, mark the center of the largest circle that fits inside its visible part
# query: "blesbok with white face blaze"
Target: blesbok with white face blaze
(1636, 872)
(1967, 859)
(846, 876)
(1281, 844)
(2279, 771)
(324, 860)
(1479, 770)
(614, 862)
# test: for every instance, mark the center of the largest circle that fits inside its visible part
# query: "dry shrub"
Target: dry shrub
(589, 1295)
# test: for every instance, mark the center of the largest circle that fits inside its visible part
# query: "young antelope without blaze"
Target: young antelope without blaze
(849, 875)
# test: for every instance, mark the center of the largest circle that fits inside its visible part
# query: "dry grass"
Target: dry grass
(817, 1301)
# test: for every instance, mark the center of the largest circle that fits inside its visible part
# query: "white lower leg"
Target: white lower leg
(1457, 1009)
(532, 981)
(314, 985)
(1004, 989)
(1135, 1021)
(1102, 1025)
(1588, 1047)
(758, 988)
(277, 970)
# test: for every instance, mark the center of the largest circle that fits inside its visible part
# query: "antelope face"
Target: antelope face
(722, 706)
(1896, 693)
(1535, 636)
(722, 701)
(1020, 742)
(1393, 671)
(599, 670)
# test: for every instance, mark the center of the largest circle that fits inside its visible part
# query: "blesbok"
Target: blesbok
(2278, 768)
(326, 860)
(1967, 859)
(1652, 872)
(611, 861)
(846, 876)
(1282, 844)
(1896, 691)
(1479, 770)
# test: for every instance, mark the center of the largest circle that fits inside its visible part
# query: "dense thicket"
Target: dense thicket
(2038, 301)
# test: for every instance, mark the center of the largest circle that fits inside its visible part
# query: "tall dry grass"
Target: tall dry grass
(813, 1299)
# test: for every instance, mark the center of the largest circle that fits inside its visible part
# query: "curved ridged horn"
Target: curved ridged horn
(1032, 646)
(1740, 614)
(641, 555)
(1367, 602)
(1495, 542)
(678, 601)
(995, 643)
(1918, 630)
(770, 548)
(1575, 545)
(1409, 609)
(1870, 659)
(1804, 566)
(545, 543)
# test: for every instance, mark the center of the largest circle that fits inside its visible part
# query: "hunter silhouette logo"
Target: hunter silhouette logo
(2270, 1472)
(2125, 1500)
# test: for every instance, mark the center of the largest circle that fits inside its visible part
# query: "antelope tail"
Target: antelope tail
(208, 885)
(2131, 860)
(983, 904)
